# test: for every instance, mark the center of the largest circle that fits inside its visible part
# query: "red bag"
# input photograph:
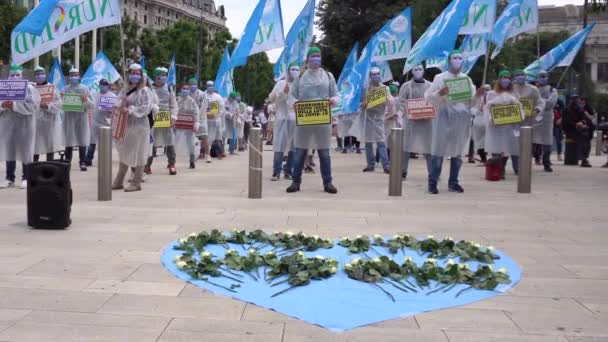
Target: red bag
(494, 170)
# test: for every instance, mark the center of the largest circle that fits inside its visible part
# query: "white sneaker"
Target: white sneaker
(6, 184)
(23, 184)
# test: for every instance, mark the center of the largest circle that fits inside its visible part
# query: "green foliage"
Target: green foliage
(10, 16)
(255, 80)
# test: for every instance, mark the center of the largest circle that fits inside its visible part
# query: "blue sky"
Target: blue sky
(238, 12)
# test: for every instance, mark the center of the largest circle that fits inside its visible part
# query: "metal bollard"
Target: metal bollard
(598, 143)
(395, 183)
(255, 163)
(104, 164)
(524, 181)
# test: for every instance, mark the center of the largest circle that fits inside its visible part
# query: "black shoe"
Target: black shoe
(83, 167)
(344, 151)
(294, 187)
(359, 151)
(433, 189)
(404, 175)
(88, 163)
(368, 169)
(192, 166)
(471, 160)
(456, 188)
(605, 166)
(387, 171)
(287, 177)
(585, 163)
(330, 189)
(548, 169)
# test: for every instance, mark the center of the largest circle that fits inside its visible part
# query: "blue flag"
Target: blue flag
(101, 68)
(56, 77)
(561, 56)
(472, 47)
(518, 17)
(298, 40)
(349, 64)
(353, 86)
(172, 75)
(142, 62)
(394, 40)
(36, 20)
(223, 81)
(263, 32)
(441, 36)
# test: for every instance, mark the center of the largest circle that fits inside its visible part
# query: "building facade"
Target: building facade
(570, 18)
(159, 14)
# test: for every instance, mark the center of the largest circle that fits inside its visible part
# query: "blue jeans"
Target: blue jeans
(369, 154)
(231, 145)
(324, 159)
(436, 165)
(278, 162)
(11, 167)
(405, 162)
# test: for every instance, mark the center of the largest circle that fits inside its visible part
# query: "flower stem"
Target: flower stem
(439, 288)
(279, 283)
(231, 278)
(450, 288)
(395, 285)
(375, 251)
(220, 286)
(463, 290)
(281, 292)
(233, 273)
(383, 290)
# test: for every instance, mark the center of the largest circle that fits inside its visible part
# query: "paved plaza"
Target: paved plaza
(102, 280)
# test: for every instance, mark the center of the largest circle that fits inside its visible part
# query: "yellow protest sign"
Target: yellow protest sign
(213, 109)
(506, 114)
(376, 97)
(162, 119)
(528, 105)
(311, 113)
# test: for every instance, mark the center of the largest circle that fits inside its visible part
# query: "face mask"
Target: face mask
(74, 80)
(14, 77)
(104, 89)
(505, 83)
(418, 74)
(238, 99)
(210, 90)
(40, 78)
(314, 61)
(193, 88)
(162, 80)
(456, 63)
(543, 81)
(185, 92)
(294, 73)
(134, 78)
(376, 78)
(521, 79)
(580, 105)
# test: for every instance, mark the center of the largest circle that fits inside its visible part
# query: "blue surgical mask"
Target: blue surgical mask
(162, 80)
(520, 79)
(134, 78)
(185, 92)
(505, 83)
(14, 77)
(75, 80)
(104, 89)
(40, 78)
(193, 88)
(376, 78)
(210, 90)
(315, 61)
(543, 81)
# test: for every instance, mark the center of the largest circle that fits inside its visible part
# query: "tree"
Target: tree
(255, 80)
(10, 16)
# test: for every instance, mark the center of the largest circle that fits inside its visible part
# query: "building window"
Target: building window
(145, 19)
(125, 13)
(602, 72)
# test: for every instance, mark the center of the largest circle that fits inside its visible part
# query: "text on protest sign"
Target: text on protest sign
(459, 89)
(418, 109)
(528, 106)
(311, 113)
(376, 97)
(162, 119)
(47, 92)
(72, 103)
(119, 124)
(506, 115)
(11, 90)
(213, 109)
(106, 103)
(184, 122)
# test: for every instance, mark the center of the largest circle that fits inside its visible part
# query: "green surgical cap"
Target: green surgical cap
(233, 95)
(294, 64)
(519, 71)
(237, 94)
(15, 67)
(159, 71)
(39, 69)
(192, 80)
(313, 50)
(393, 88)
(454, 52)
(504, 73)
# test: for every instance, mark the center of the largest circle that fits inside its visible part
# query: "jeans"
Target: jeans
(11, 167)
(91, 152)
(82, 154)
(369, 154)
(405, 162)
(436, 166)
(558, 136)
(300, 157)
(231, 145)
(170, 156)
(278, 162)
(583, 144)
(340, 142)
(49, 157)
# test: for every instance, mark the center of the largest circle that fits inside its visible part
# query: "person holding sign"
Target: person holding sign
(187, 124)
(417, 132)
(49, 134)
(105, 101)
(203, 131)
(232, 117)
(504, 116)
(543, 127)
(314, 92)
(284, 125)
(452, 94)
(163, 133)
(77, 100)
(17, 124)
(137, 101)
(215, 108)
(372, 116)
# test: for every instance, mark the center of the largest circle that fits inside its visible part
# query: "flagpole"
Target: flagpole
(37, 58)
(538, 39)
(485, 67)
(563, 76)
(122, 48)
(77, 52)
(94, 45)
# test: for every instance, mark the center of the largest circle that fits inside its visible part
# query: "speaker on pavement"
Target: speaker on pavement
(49, 195)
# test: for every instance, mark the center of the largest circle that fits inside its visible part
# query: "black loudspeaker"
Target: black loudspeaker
(49, 195)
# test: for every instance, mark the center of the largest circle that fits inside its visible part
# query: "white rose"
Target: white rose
(288, 233)
(270, 253)
(377, 236)
(377, 260)
(333, 270)
(450, 262)
(319, 257)
(476, 245)
(491, 248)
(430, 237)
(491, 268)
(205, 254)
(183, 240)
(345, 238)
(177, 258)
(231, 251)
(348, 266)
(355, 261)
(464, 266)
(409, 259)
(252, 251)
(431, 261)
(316, 237)
(396, 236)
(448, 238)
(192, 235)
(300, 253)
(329, 241)
(181, 264)
(358, 237)
(503, 270)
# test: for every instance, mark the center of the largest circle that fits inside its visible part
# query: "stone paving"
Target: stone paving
(101, 280)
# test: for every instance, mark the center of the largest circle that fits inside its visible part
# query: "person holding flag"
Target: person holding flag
(203, 131)
(76, 122)
(18, 124)
(102, 116)
(452, 94)
(417, 133)
(529, 96)
(543, 128)
(373, 121)
(284, 125)
(314, 84)
(48, 121)
(164, 134)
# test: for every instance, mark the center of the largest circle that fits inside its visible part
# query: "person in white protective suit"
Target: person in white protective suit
(314, 84)
(164, 136)
(137, 102)
(49, 129)
(284, 124)
(203, 131)
(101, 117)
(373, 124)
(188, 110)
(18, 127)
(452, 125)
(232, 110)
(530, 98)
(417, 133)
(479, 124)
(502, 139)
(76, 123)
(542, 134)
(242, 106)
(215, 108)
